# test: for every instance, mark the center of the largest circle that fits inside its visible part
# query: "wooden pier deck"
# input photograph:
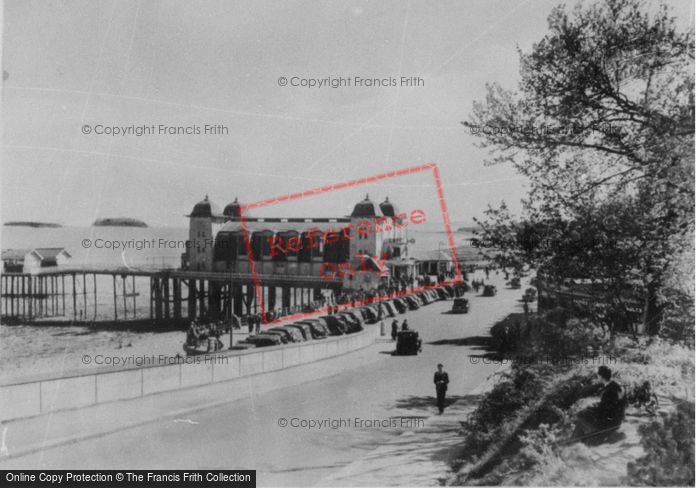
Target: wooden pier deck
(77, 295)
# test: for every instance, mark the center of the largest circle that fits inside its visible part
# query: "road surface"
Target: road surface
(248, 434)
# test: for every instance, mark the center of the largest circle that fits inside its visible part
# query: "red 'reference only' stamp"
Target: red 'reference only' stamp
(330, 271)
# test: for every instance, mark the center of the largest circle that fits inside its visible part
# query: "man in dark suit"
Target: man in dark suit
(441, 379)
(607, 415)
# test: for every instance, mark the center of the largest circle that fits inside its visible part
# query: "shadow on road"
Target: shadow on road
(423, 403)
(482, 343)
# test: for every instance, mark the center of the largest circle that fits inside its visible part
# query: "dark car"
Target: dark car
(490, 291)
(442, 293)
(353, 323)
(413, 302)
(281, 334)
(370, 314)
(408, 343)
(319, 329)
(387, 311)
(296, 333)
(335, 325)
(424, 298)
(400, 305)
(305, 330)
(264, 340)
(389, 305)
(461, 289)
(460, 305)
(357, 314)
(514, 283)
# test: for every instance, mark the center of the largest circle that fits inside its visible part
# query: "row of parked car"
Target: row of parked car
(347, 321)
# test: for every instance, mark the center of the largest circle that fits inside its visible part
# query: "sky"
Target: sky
(96, 64)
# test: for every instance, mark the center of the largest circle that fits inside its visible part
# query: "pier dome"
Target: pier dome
(366, 208)
(233, 209)
(388, 208)
(205, 208)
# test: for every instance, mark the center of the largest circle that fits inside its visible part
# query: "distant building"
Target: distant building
(435, 262)
(31, 261)
(299, 246)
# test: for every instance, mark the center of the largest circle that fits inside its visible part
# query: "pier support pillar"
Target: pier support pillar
(286, 297)
(75, 305)
(271, 298)
(166, 297)
(158, 299)
(202, 294)
(191, 299)
(214, 300)
(177, 298)
(237, 300)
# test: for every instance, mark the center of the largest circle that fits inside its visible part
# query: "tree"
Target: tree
(603, 127)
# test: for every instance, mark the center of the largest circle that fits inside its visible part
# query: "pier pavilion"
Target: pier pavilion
(215, 279)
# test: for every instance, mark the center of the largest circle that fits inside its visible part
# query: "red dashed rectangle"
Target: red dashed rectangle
(340, 186)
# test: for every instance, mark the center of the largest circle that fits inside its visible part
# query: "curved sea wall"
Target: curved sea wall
(271, 366)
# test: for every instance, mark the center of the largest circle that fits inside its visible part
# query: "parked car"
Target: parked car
(460, 305)
(490, 291)
(295, 333)
(461, 288)
(413, 302)
(304, 328)
(264, 340)
(389, 309)
(335, 325)
(400, 305)
(319, 329)
(281, 334)
(289, 336)
(370, 314)
(357, 314)
(442, 293)
(408, 343)
(514, 283)
(353, 323)
(424, 298)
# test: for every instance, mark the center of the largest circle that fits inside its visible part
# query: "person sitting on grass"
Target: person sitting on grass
(607, 415)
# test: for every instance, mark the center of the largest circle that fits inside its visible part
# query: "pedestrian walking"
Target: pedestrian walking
(404, 325)
(394, 329)
(441, 380)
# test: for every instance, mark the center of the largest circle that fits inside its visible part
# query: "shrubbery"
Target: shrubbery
(557, 334)
(669, 448)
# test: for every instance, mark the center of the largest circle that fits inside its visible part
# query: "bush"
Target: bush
(557, 334)
(501, 404)
(678, 321)
(670, 451)
(508, 333)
